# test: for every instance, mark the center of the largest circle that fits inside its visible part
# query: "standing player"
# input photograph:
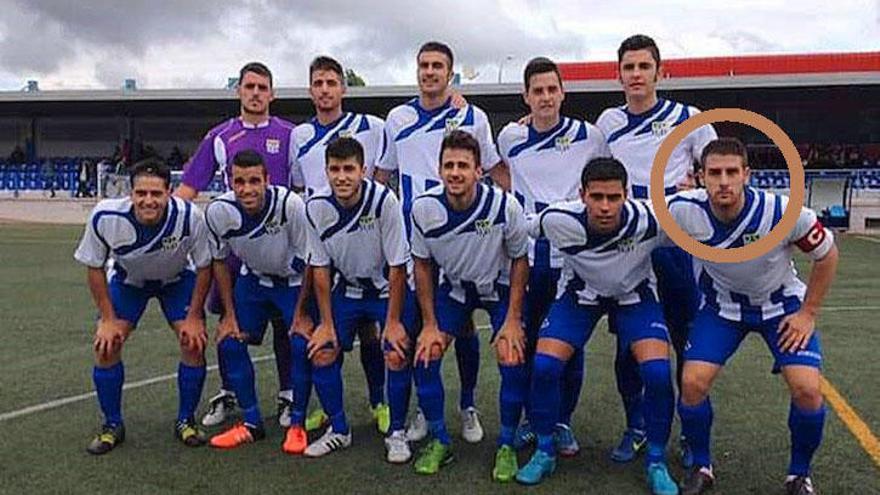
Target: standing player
(264, 226)
(413, 133)
(762, 295)
(635, 131)
(159, 248)
(475, 235)
(357, 229)
(253, 129)
(545, 158)
(308, 172)
(607, 241)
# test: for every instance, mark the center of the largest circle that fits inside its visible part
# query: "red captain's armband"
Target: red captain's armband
(814, 238)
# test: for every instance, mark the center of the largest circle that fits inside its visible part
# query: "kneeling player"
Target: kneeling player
(606, 242)
(763, 295)
(156, 243)
(357, 230)
(475, 234)
(264, 226)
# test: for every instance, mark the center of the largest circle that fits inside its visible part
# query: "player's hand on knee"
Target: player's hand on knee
(109, 336)
(302, 324)
(510, 344)
(795, 331)
(324, 334)
(430, 345)
(395, 335)
(193, 335)
(228, 327)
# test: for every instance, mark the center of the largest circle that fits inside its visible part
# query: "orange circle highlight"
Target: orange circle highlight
(796, 190)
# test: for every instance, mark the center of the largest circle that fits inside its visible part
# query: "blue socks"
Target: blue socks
(546, 374)
(467, 355)
(630, 387)
(431, 398)
(328, 384)
(399, 387)
(190, 381)
(806, 435)
(373, 362)
(696, 425)
(240, 371)
(108, 385)
(572, 382)
(659, 404)
(281, 346)
(512, 398)
(225, 384)
(301, 378)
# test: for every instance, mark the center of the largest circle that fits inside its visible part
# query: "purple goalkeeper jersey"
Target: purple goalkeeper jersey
(271, 139)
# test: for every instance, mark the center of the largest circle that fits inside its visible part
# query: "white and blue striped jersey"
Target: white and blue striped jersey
(614, 266)
(141, 253)
(545, 167)
(271, 244)
(635, 138)
(360, 243)
(760, 289)
(413, 137)
(472, 248)
(310, 140)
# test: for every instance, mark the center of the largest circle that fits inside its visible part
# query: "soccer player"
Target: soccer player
(762, 295)
(253, 129)
(356, 232)
(545, 158)
(635, 131)
(308, 172)
(606, 240)
(265, 227)
(475, 235)
(413, 132)
(159, 248)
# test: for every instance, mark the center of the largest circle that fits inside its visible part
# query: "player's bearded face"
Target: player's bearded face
(434, 73)
(249, 185)
(725, 178)
(150, 196)
(255, 93)
(545, 95)
(459, 172)
(326, 89)
(345, 176)
(638, 73)
(604, 199)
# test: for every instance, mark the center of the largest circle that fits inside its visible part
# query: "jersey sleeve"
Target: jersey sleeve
(810, 236)
(394, 246)
(296, 179)
(599, 143)
(201, 249)
(388, 157)
(218, 246)
(516, 234)
(93, 249)
(201, 168)
(483, 133)
(298, 231)
(699, 138)
(418, 246)
(317, 254)
(377, 142)
(533, 225)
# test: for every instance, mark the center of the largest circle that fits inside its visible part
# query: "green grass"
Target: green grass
(46, 319)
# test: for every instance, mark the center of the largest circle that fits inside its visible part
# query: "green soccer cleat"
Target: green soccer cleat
(316, 420)
(432, 457)
(505, 464)
(189, 433)
(382, 416)
(107, 440)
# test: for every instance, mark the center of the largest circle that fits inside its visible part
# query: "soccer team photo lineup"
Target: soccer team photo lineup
(390, 241)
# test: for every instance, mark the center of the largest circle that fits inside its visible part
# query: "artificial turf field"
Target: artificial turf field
(46, 323)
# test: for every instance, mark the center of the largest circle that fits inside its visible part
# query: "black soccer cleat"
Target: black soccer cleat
(699, 480)
(107, 440)
(799, 485)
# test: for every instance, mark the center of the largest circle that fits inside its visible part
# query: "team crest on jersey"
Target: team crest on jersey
(170, 243)
(367, 222)
(453, 123)
(273, 146)
(483, 226)
(272, 227)
(750, 238)
(563, 143)
(660, 129)
(626, 245)
(346, 133)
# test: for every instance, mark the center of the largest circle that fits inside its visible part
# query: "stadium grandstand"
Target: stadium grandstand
(75, 143)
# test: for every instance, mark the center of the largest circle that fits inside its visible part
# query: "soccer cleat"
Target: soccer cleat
(566, 444)
(699, 480)
(432, 457)
(799, 485)
(316, 420)
(631, 443)
(238, 435)
(524, 436)
(285, 409)
(398, 451)
(539, 467)
(107, 440)
(505, 464)
(471, 429)
(418, 427)
(686, 454)
(189, 433)
(382, 416)
(329, 442)
(219, 407)
(659, 480)
(295, 441)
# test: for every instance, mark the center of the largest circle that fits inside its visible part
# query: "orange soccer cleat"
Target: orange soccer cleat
(239, 434)
(296, 441)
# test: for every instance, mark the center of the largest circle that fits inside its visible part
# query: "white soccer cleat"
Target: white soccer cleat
(220, 407)
(471, 429)
(329, 442)
(418, 427)
(398, 448)
(285, 408)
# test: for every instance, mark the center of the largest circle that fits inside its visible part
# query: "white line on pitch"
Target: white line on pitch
(866, 238)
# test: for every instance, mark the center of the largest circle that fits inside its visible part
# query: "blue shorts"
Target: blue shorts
(452, 316)
(540, 294)
(256, 305)
(573, 323)
(714, 339)
(349, 315)
(129, 302)
(676, 286)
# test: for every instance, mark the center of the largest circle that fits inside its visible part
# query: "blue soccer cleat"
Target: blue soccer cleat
(539, 467)
(524, 436)
(632, 442)
(659, 480)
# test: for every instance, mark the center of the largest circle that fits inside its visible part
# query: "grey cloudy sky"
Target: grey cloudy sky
(199, 43)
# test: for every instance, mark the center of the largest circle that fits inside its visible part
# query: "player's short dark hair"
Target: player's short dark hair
(247, 159)
(461, 140)
(323, 62)
(725, 146)
(343, 148)
(436, 46)
(150, 167)
(603, 169)
(540, 65)
(639, 42)
(258, 68)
